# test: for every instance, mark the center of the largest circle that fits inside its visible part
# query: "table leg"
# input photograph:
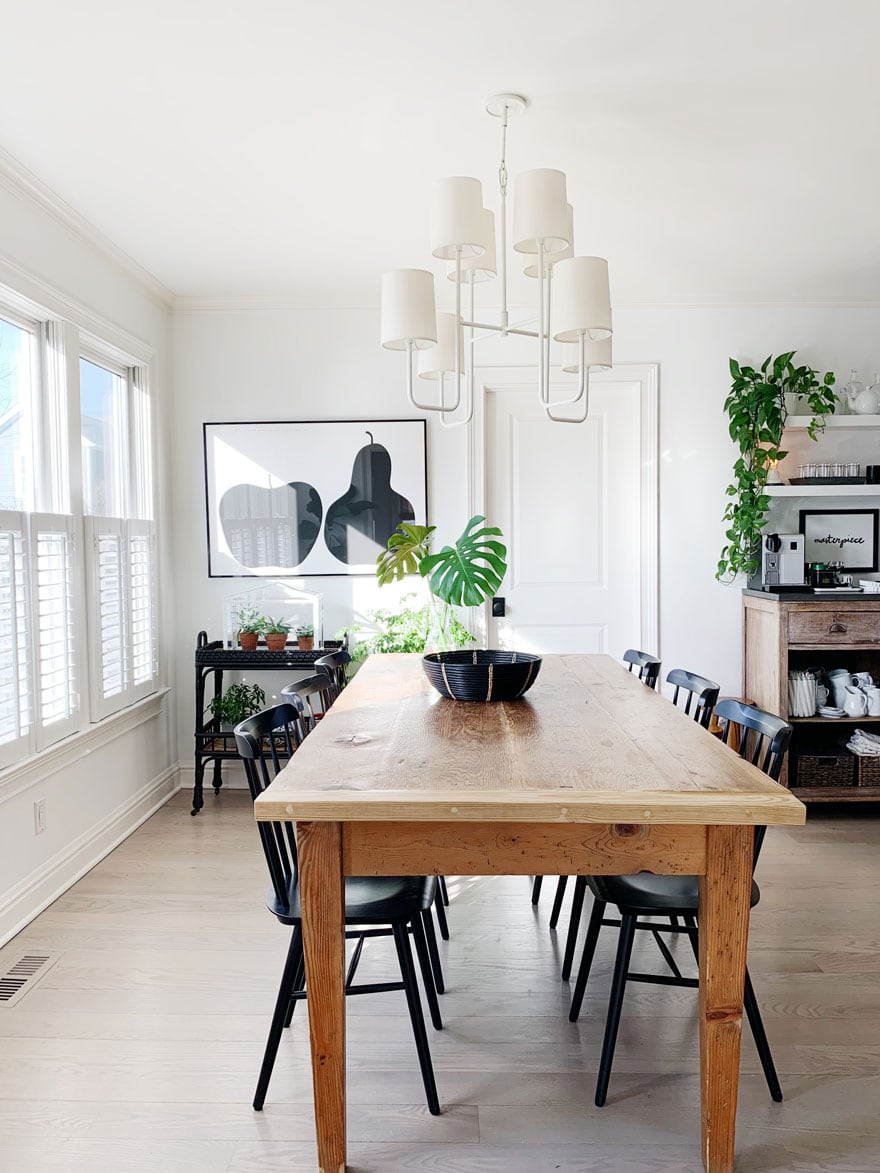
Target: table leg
(319, 849)
(724, 924)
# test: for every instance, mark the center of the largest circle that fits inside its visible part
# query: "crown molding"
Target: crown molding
(199, 304)
(17, 178)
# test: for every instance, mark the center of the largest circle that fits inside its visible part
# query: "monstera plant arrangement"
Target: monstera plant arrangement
(757, 408)
(465, 574)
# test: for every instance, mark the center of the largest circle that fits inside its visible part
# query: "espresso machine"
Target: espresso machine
(782, 561)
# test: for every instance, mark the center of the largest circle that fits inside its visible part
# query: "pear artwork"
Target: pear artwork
(360, 522)
(271, 527)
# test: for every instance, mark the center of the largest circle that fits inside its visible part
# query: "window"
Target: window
(117, 498)
(18, 350)
(78, 601)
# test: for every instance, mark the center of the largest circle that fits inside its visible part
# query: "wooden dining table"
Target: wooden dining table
(590, 773)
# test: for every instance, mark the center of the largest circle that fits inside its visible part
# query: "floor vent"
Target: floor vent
(23, 975)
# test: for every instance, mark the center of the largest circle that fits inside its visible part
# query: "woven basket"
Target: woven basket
(481, 675)
(867, 771)
(824, 769)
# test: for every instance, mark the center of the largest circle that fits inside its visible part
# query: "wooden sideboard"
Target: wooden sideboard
(802, 630)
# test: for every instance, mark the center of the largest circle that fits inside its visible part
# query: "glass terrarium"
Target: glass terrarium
(278, 601)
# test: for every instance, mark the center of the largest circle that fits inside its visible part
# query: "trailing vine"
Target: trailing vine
(757, 410)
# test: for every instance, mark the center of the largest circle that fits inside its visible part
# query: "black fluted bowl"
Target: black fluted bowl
(481, 675)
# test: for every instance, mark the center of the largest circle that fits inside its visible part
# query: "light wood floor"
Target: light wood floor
(139, 1049)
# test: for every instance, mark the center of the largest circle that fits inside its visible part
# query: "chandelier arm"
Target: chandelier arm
(583, 376)
(562, 419)
(457, 323)
(469, 373)
(542, 393)
(492, 328)
(409, 385)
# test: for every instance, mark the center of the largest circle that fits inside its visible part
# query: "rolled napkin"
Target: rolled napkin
(864, 744)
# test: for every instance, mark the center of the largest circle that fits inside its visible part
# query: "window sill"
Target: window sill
(37, 767)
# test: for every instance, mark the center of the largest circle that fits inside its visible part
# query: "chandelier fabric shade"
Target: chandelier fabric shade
(572, 294)
(457, 222)
(437, 361)
(597, 356)
(409, 312)
(540, 211)
(583, 299)
(484, 266)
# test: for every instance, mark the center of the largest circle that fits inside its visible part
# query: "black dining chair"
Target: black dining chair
(648, 666)
(316, 693)
(764, 741)
(693, 691)
(334, 665)
(375, 906)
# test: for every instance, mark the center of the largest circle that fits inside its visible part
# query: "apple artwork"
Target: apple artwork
(271, 527)
(360, 522)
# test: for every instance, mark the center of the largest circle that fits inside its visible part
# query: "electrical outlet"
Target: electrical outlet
(40, 816)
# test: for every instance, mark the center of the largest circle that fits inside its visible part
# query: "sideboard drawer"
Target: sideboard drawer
(829, 627)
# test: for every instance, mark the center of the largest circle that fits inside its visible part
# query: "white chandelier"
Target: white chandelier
(573, 298)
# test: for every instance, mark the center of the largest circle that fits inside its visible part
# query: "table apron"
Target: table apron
(465, 848)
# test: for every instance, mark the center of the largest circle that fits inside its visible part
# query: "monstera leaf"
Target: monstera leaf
(407, 546)
(470, 571)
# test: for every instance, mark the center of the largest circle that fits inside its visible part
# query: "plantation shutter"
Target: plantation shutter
(54, 615)
(15, 693)
(122, 613)
(142, 620)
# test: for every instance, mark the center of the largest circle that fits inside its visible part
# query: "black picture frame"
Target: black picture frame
(825, 537)
(311, 463)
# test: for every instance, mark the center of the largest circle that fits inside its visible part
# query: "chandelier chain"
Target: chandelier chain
(502, 169)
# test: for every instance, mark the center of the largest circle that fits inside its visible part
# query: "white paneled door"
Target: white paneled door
(577, 505)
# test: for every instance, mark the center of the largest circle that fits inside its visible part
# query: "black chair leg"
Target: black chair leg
(756, 1023)
(418, 932)
(441, 915)
(433, 953)
(444, 891)
(615, 1004)
(760, 1036)
(577, 904)
(282, 1002)
(586, 964)
(414, 1002)
(536, 889)
(557, 901)
(299, 981)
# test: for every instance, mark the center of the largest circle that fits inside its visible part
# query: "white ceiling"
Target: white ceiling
(286, 149)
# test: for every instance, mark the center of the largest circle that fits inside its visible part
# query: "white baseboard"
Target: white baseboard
(35, 892)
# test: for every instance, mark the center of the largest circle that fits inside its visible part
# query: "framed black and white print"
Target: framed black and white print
(841, 535)
(310, 497)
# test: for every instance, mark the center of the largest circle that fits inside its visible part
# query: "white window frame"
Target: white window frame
(15, 524)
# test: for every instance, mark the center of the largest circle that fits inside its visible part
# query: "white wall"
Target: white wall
(313, 364)
(98, 786)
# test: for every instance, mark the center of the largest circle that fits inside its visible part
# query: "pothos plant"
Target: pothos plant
(757, 409)
(464, 574)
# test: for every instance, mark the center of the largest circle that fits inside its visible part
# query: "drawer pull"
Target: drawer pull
(838, 628)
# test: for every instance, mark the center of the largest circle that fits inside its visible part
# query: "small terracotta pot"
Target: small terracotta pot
(275, 641)
(306, 643)
(248, 640)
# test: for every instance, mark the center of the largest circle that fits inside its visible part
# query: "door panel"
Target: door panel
(567, 500)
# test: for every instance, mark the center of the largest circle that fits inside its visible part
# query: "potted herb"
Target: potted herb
(275, 632)
(305, 637)
(757, 407)
(250, 625)
(239, 701)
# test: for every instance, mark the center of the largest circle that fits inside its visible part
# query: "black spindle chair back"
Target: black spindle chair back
(265, 743)
(334, 665)
(697, 692)
(648, 666)
(316, 694)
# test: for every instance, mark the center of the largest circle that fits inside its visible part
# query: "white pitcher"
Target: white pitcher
(856, 703)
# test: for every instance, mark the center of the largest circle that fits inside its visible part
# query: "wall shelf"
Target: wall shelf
(822, 490)
(836, 421)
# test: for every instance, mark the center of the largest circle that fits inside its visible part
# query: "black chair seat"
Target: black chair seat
(647, 894)
(368, 899)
